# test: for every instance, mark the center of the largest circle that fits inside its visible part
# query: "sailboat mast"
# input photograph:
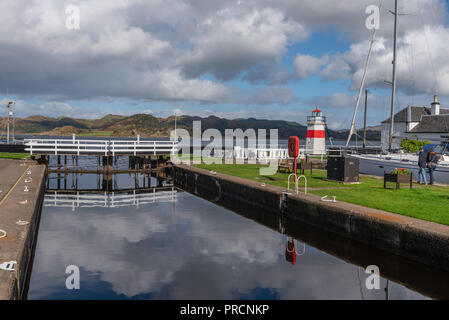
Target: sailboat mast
(393, 82)
(353, 130)
(364, 119)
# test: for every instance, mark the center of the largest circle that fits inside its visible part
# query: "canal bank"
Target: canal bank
(420, 241)
(22, 185)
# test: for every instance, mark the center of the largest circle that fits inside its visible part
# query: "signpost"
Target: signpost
(293, 149)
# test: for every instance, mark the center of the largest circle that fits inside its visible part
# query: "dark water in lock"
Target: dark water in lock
(183, 247)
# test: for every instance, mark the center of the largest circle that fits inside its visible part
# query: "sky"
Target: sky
(267, 59)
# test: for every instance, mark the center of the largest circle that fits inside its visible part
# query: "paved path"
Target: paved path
(19, 217)
(10, 171)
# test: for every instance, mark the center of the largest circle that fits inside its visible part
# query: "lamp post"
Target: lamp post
(9, 117)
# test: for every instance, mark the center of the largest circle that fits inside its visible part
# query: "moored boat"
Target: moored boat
(378, 164)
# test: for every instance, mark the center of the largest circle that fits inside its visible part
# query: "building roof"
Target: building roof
(416, 114)
(433, 124)
(316, 110)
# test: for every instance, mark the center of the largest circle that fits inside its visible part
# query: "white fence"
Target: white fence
(107, 200)
(248, 153)
(141, 147)
(99, 147)
(260, 153)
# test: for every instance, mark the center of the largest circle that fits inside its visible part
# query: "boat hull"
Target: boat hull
(378, 167)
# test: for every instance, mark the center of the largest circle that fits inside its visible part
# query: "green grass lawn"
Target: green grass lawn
(8, 155)
(429, 203)
(96, 134)
(251, 172)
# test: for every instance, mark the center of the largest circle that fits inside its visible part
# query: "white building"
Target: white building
(420, 123)
(316, 134)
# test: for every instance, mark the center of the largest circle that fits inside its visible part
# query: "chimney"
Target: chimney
(435, 106)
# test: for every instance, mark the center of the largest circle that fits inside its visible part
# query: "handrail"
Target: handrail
(305, 183)
(102, 141)
(112, 200)
(296, 182)
(78, 147)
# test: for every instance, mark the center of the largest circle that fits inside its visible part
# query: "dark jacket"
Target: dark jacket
(432, 157)
(422, 160)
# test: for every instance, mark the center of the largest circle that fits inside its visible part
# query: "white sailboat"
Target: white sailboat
(378, 164)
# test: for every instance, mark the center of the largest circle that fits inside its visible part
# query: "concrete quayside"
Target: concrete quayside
(22, 184)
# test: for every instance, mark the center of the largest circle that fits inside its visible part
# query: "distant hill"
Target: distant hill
(149, 126)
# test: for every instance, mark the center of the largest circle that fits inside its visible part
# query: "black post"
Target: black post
(364, 121)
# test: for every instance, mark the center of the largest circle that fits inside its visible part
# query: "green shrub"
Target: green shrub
(412, 146)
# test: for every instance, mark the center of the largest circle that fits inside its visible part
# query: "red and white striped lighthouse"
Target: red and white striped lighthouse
(316, 134)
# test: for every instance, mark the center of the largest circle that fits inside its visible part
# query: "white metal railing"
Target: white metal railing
(106, 147)
(296, 182)
(260, 153)
(107, 200)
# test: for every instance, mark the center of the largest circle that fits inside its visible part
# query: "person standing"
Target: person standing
(422, 164)
(432, 161)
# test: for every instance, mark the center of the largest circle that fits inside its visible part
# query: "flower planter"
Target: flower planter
(398, 179)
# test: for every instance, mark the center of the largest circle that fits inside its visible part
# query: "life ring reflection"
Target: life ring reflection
(291, 250)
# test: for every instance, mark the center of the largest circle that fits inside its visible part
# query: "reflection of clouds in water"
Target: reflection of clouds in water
(197, 251)
(225, 236)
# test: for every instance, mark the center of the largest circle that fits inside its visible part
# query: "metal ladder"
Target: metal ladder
(296, 182)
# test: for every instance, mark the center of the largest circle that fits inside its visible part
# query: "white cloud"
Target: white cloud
(422, 63)
(157, 50)
(232, 41)
(307, 65)
(348, 16)
(55, 109)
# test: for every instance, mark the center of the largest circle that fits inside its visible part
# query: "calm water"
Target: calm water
(188, 248)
